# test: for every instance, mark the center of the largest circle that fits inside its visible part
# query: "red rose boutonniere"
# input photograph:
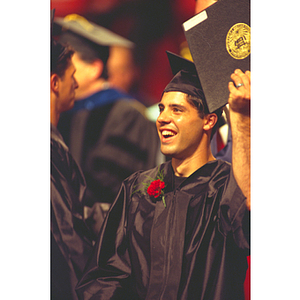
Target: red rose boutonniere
(154, 187)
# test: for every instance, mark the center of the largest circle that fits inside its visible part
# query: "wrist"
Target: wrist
(240, 123)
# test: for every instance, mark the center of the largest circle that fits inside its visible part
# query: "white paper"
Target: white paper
(195, 20)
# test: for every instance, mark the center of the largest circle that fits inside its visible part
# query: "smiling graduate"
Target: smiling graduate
(190, 240)
(185, 126)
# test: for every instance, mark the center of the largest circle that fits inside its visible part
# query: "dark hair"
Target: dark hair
(60, 58)
(201, 106)
(87, 50)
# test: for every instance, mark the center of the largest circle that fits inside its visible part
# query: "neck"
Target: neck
(93, 88)
(54, 114)
(54, 120)
(189, 164)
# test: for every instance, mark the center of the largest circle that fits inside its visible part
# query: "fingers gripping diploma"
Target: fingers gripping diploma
(239, 107)
(240, 92)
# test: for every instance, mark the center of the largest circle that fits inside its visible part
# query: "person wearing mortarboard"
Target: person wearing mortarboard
(107, 131)
(183, 227)
(71, 241)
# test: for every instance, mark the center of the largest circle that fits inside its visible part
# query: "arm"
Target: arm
(239, 107)
(107, 274)
(70, 235)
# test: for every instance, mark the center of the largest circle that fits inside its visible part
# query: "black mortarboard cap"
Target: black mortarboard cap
(186, 79)
(219, 41)
(91, 31)
(178, 63)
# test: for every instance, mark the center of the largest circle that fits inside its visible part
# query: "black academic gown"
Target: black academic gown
(194, 248)
(70, 239)
(110, 138)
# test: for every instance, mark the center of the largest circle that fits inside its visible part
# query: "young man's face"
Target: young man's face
(179, 126)
(67, 87)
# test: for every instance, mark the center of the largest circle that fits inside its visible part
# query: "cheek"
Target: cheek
(157, 125)
(78, 77)
(184, 124)
(80, 74)
(192, 130)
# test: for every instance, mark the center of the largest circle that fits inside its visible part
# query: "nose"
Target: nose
(164, 117)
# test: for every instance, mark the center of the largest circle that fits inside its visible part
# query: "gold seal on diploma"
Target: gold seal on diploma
(238, 41)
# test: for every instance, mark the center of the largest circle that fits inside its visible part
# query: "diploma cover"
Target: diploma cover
(219, 41)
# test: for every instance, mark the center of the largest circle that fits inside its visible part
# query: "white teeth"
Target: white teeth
(167, 133)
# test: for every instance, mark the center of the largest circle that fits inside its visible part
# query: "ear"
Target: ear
(97, 68)
(54, 83)
(209, 121)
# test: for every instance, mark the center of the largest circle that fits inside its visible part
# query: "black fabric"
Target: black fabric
(194, 248)
(178, 181)
(71, 241)
(110, 142)
(187, 83)
(185, 78)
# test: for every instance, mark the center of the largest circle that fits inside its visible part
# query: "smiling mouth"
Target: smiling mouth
(168, 134)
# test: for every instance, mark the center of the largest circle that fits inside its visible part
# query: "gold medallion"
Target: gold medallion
(238, 41)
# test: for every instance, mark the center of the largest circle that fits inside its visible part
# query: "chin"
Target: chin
(167, 152)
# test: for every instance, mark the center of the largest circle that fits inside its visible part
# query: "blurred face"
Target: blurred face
(67, 86)
(83, 76)
(179, 126)
(121, 69)
(203, 4)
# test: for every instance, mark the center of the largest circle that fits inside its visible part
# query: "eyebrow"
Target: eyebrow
(160, 105)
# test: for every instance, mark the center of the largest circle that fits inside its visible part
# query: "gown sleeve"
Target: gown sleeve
(107, 274)
(71, 241)
(234, 214)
